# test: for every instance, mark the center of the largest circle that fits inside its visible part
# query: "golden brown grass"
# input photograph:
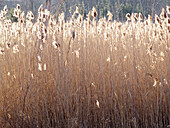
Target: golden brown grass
(84, 73)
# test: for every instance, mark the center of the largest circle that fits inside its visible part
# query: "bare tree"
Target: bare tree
(153, 5)
(48, 4)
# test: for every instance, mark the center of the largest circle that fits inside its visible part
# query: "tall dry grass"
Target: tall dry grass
(84, 73)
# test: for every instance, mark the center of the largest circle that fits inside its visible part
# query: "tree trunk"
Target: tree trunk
(140, 3)
(49, 6)
(153, 5)
(31, 5)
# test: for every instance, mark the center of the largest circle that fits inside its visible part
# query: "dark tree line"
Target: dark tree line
(119, 8)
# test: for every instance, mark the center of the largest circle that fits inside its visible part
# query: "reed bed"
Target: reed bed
(84, 72)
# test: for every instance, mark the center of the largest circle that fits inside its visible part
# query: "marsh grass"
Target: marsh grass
(109, 75)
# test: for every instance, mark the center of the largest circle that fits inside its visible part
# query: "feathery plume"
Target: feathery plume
(94, 13)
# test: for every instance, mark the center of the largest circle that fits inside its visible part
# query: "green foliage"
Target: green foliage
(10, 15)
(82, 8)
(70, 10)
(138, 9)
(123, 9)
(127, 8)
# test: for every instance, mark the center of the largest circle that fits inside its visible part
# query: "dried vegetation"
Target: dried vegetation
(84, 72)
